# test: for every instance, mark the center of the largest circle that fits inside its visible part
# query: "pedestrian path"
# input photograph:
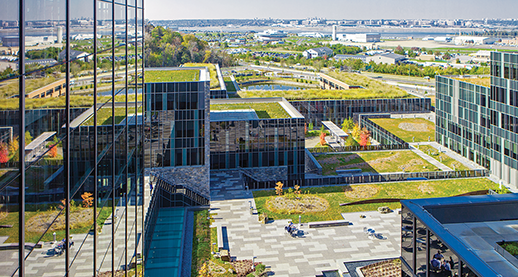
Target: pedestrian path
(429, 159)
(308, 254)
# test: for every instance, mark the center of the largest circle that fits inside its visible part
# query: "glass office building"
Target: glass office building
(71, 136)
(247, 136)
(467, 232)
(479, 121)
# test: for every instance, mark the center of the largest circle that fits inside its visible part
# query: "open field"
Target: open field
(407, 128)
(334, 195)
(384, 161)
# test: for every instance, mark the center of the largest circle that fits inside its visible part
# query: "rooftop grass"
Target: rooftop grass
(168, 76)
(384, 161)
(354, 79)
(104, 116)
(447, 160)
(407, 128)
(485, 81)
(263, 110)
(214, 81)
(320, 94)
(76, 101)
(10, 88)
(336, 195)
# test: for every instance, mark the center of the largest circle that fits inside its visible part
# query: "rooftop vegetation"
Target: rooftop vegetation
(320, 94)
(263, 110)
(104, 115)
(408, 129)
(335, 195)
(485, 81)
(10, 88)
(214, 81)
(354, 79)
(76, 101)
(166, 76)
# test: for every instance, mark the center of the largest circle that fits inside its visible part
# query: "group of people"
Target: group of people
(439, 265)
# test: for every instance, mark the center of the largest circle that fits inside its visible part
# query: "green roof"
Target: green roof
(263, 110)
(214, 81)
(484, 81)
(168, 76)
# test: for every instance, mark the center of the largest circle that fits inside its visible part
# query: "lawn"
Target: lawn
(336, 195)
(59, 102)
(447, 160)
(263, 110)
(485, 82)
(104, 115)
(407, 128)
(384, 161)
(376, 86)
(201, 241)
(214, 81)
(163, 76)
(230, 86)
(12, 233)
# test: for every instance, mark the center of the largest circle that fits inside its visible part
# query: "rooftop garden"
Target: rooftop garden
(104, 115)
(408, 129)
(484, 81)
(263, 110)
(332, 196)
(214, 81)
(167, 76)
(59, 102)
(10, 88)
(354, 79)
(385, 161)
(320, 94)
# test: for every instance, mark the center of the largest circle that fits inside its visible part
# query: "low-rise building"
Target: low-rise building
(387, 58)
(367, 37)
(463, 40)
(317, 52)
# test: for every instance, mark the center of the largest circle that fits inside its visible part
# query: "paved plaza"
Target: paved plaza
(307, 255)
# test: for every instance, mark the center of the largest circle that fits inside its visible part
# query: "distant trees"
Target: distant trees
(344, 49)
(399, 50)
(165, 47)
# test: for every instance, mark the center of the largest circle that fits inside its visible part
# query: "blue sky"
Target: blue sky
(331, 9)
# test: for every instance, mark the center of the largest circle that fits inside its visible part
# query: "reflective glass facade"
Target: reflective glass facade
(72, 100)
(480, 122)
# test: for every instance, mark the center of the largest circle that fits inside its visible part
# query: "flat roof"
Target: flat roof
(39, 140)
(233, 115)
(175, 74)
(286, 109)
(471, 226)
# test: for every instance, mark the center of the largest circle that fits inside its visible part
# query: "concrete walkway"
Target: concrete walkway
(308, 254)
(429, 159)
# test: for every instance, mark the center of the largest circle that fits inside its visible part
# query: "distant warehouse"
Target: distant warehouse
(463, 40)
(367, 37)
(387, 58)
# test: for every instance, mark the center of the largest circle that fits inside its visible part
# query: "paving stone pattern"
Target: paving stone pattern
(308, 254)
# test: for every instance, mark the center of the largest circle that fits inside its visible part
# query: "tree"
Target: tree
(348, 124)
(310, 126)
(53, 152)
(13, 149)
(356, 131)
(446, 56)
(88, 199)
(4, 153)
(322, 129)
(305, 128)
(278, 188)
(28, 138)
(323, 139)
(365, 137)
(399, 50)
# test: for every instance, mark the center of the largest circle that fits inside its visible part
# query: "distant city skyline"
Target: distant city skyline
(331, 9)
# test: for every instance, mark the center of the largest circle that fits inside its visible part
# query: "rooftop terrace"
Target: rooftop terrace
(243, 109)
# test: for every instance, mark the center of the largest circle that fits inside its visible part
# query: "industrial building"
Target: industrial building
(367, 37)
(317, 52)
(466, 40)
(386, 58)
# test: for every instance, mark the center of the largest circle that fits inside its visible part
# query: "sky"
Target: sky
(331, 9)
